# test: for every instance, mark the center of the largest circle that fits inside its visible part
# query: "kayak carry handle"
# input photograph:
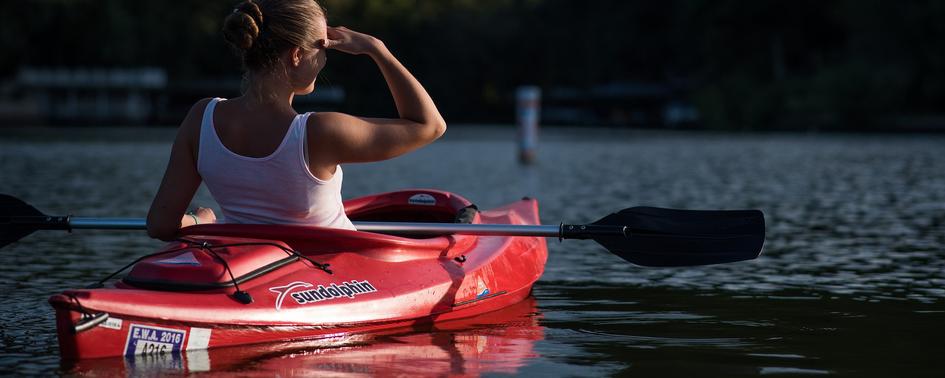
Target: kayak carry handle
(88, 322)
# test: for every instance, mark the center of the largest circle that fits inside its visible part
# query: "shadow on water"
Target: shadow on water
(589, 330)
(684, 333)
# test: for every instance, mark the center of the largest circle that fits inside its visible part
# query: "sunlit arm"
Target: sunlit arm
(363, 139)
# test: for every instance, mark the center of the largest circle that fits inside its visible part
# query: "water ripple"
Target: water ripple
(854, 260)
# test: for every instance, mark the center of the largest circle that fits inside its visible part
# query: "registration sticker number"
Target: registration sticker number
(154, 340)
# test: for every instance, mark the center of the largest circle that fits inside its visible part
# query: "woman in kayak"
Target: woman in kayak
(263, 162)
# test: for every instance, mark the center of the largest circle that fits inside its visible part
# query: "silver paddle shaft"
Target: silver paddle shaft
(402, 228)
(459, 228)
(108, 223)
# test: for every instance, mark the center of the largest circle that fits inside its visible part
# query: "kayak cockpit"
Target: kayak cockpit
(214, 256)
(413, 206)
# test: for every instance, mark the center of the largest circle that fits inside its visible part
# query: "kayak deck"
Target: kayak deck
(306, 282)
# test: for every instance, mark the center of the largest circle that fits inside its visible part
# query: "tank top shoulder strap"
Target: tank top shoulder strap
(300, 131)
(302, 125)
(208, 136)
(206, 124)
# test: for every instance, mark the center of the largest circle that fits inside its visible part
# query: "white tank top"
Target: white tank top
(276, 189)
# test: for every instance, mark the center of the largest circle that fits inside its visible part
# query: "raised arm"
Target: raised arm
(348, 138)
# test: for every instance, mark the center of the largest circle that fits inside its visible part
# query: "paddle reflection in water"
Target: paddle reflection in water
(496, 342)
(850, 283)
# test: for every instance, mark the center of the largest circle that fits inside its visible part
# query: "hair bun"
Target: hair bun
(241, 28)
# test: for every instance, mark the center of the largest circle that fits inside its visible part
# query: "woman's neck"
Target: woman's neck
(266, 90)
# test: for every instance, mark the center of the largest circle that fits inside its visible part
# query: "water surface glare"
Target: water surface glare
(851, 282)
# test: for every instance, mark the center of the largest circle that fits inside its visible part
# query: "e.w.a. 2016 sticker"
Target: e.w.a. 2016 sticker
(153, 340)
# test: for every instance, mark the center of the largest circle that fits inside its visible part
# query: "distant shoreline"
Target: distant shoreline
(929, 124)
(505, 133)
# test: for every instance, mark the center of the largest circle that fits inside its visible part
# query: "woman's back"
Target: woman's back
(251, 131)
(264, 163)
(275, 186)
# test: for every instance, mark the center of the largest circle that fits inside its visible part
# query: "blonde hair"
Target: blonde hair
(260, 30)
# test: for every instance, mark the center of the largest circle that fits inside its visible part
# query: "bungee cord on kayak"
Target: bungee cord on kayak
(332, 230)
(249, 277)
(87, 319)
(207, 246)
(397, 258)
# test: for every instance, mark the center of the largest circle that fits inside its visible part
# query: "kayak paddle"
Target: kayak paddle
(647, 236)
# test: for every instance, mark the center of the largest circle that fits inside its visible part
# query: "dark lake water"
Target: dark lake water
(851, 282)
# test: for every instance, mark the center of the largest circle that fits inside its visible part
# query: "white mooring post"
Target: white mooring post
(528, 99)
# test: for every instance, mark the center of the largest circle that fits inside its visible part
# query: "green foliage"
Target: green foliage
(817, 65)
(808, 64)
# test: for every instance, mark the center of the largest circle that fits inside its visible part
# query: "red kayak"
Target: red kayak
(225, 285)
(497, 342)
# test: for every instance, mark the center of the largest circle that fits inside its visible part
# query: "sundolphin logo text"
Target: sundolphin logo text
(322, 292)
(284, 290)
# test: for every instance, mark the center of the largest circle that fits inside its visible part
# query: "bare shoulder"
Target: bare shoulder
(195, 114)
(189, 132)
(328, 129)
(328, 123)
(324, 132)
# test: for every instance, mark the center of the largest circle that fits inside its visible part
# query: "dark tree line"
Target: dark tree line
(840, 64)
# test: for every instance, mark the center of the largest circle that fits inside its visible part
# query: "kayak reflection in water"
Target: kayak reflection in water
(498, 342)
(262, 161)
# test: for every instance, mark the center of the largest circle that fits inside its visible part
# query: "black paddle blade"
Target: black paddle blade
(667, 237)
(12, 209)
